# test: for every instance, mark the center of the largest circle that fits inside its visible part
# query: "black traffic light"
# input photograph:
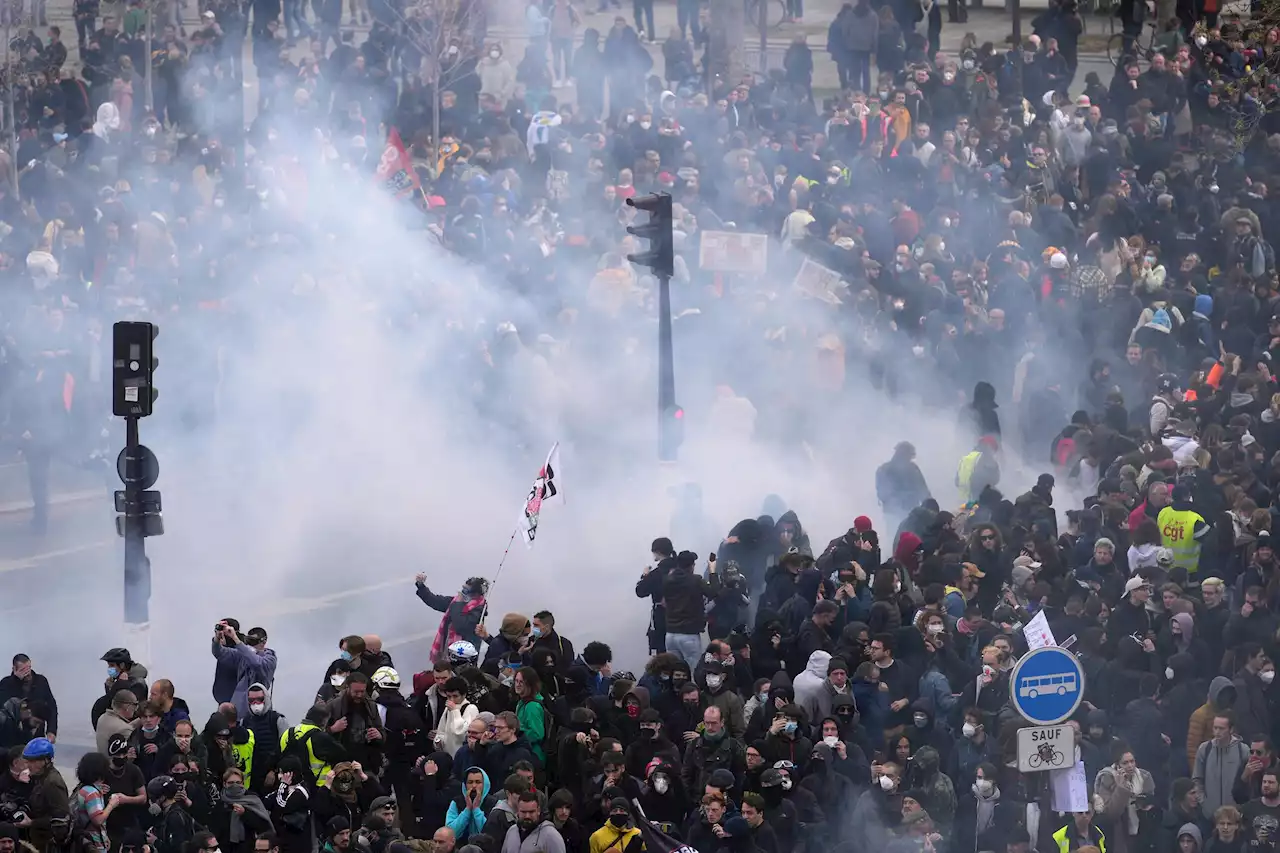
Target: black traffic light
(133, 367)
(670, 433)
(661, 255)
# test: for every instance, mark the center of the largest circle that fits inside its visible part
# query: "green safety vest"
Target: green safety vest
(1064, 845)
(964, 475)
(243, 755)
(301, 733)
(1177, 533)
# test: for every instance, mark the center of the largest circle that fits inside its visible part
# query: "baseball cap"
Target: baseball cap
(1135, 582)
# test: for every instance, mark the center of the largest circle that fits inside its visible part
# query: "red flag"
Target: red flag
(395, 170)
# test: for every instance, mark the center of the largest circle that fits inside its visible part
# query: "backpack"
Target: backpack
(81, 823)
(297, 747)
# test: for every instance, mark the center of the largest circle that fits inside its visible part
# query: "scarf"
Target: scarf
(986, 808)
(445, 635)
(251, 803)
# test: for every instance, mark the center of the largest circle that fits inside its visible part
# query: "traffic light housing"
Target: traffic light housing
(132, 369)
(661, 255)
(670, 433)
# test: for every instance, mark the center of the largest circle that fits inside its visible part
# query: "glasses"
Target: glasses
(500, 727)
(1258, 752)
(988, 537)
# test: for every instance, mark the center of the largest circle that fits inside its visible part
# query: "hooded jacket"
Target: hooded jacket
(437, 794)
(543, 838)
(1221, 696)
(808, 684)
(1216, 770)
(610, 839)
(466, 822)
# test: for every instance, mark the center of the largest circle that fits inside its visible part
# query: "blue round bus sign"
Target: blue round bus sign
(1047, 686)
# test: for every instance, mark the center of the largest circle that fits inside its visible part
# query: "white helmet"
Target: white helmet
(462, 652)
(386, 678)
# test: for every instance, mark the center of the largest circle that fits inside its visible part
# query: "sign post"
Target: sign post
(1046, 748)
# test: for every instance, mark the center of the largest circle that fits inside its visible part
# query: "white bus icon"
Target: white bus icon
(1061, 683)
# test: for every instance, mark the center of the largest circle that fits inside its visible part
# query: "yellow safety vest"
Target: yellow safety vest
(1064, 846)
(242, 753)
(964, 475)
(1177, 529)
(318, 767)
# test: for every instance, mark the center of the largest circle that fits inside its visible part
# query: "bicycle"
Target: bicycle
(775, 12)
(1116, 53)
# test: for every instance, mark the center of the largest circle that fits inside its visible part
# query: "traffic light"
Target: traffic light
(670, 433)
(132, 368)
(661, 255)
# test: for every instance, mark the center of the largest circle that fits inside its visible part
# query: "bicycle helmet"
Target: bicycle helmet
(39, 747)
(162, 788)
(386, 678)
(462, 652)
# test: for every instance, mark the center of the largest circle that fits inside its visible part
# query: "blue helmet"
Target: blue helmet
(39, 747)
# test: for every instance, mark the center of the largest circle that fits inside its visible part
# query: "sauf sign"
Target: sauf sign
(1046, 748)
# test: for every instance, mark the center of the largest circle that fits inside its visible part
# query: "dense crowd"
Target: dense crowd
(1098, 267)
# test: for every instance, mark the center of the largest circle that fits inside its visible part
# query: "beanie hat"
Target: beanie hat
(513, 624)
(837, 665)
(686, 559)
(862, 524)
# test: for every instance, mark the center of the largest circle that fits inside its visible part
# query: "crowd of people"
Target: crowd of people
(1098, 267)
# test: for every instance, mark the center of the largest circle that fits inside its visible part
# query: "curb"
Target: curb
(15, 507)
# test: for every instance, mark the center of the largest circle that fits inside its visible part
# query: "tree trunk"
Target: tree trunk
(727, 29)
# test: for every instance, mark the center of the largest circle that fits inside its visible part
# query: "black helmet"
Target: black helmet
(162, 788)
(117, 655)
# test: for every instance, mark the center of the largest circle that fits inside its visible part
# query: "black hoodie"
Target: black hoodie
(434, 794)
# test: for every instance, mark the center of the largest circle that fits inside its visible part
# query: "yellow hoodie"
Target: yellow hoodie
(610, 839)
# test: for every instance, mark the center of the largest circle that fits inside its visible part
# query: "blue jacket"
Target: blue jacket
(466, 822)
(250, 667)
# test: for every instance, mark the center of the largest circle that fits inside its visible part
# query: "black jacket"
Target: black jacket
(34, 689)
(684, 592)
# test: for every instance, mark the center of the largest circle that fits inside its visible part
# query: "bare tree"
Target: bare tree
(448, 34)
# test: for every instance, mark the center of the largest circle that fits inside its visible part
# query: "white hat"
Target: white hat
(1058, 261)
(1135, 582)
(1083, 102)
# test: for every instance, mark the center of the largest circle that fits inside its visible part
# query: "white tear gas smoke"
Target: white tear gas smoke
(338, 429)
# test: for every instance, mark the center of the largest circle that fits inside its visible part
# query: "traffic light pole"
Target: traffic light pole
(137, 568)
(666, 370)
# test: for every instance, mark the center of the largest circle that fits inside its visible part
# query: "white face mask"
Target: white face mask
(258, 708)
(948, 76)
(831, 741)
(496, 54)
(1168, 673)
(1201, 41)
(969, 729)
(983, 787)
(337, 680)
(645, 125)
(934, 628)
(897, 586)
(661, 785)
(887, 783)
(942, 247)
(713, 681)
(1267, 676)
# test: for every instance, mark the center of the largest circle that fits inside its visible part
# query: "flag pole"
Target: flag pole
(485, 610)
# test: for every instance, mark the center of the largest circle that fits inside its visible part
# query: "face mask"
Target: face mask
(633, 711)
(968, 64)
(897, 586)
(535, 633)
(631, 119)
(790, 727)
(884, 95)
(983, 787)
(652, 734)
(150, 729)
(661, 785)
(258, 708)
(1150, 259)
(833, 179)
(1168, 673)
(920, 720)
(235, 791)
(831, 741)
(948, 77)
(618, 820)
(887, 783)
(935, 629)
(495, 53)
(345, 655)
(645, 125)
(762, 697)
(969, 729)
(1028, 58)
(112, 672)
(1201, 41)
(714, 681)
(1267, 676)
(337, 680)
(507, 680)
